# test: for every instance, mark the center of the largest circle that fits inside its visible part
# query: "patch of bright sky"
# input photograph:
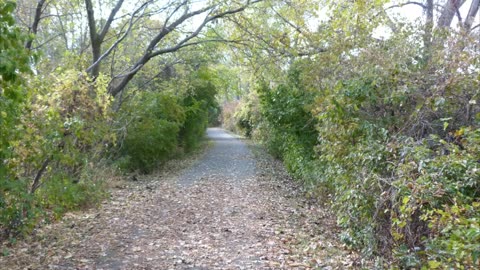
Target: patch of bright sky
(410, 13)
(131, 5)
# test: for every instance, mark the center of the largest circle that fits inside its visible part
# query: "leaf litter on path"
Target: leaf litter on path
(218, 222)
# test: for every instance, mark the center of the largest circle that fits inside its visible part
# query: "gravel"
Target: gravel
(231, 209)
(228, 158)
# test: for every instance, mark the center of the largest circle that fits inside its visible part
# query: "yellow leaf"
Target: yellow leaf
(434, 264)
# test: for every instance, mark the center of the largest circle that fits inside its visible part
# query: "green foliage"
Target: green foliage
(195, 125)
(392, 140)
(199, 101)
(17, 209)
(290, 130)
(149, 143)
(14, 61)
(162, 123)
(228, 120)
(14, 57)
(63, 129)
(246, 116)
(59, 195)
(438, 185)
(152, 137)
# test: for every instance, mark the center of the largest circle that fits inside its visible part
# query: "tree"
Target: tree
(14, 61)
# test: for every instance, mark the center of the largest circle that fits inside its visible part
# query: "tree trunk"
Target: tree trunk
(449, 10)
(36, 22)
(96, 38)
(472, 12)
(427, 36)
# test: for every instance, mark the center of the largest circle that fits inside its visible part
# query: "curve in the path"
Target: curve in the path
(228, 158)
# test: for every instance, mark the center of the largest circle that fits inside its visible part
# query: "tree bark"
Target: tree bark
(427, 36)
(449, 10)
(97, 38)
(472, 12)
(36, 21)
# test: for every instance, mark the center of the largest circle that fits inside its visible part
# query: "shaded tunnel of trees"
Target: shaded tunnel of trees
(373, 109)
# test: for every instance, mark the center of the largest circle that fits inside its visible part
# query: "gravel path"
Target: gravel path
(229, 158)
(229, 210)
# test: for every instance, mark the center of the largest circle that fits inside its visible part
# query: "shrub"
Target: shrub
(14, 65)
(290, 129)
(227, 116)
(63, 128)
(402, 172)
(435, 216)
(162, 123)
(195, 125)
(152, 136)
(199, 101)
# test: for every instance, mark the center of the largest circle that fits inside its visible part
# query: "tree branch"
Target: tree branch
(109, 21)
(116, 86)
(299, 30)
(449, 10)
(36, 21)
(115, 44)
(472, 12)
(36, 181)
(407, 3)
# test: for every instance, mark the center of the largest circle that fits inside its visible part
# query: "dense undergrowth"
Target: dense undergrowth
(390, 135)
(166, 123)
(68, 144)
(64, 137)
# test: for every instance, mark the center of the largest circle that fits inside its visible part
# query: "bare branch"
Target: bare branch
(117, 85)
(115, 44)
(197, 31)
(203, 41)
(46, 42)
(299, 30)
(133, 71)
(407, 3)
(109, 21)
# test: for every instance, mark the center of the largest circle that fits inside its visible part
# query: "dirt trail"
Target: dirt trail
(230, 210)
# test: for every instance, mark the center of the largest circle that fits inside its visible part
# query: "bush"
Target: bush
(195, 125)
(435, 216)
(199, 101)
(149, 143)
(290, 129)
(402, 172)
(152, 136)
(14, 65)
(59, 195)
(163, 123)
(227, 116)
(63, 128)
